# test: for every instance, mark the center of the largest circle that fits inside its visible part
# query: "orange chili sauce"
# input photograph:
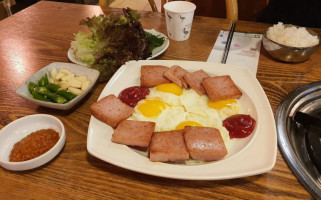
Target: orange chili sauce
(34, 145)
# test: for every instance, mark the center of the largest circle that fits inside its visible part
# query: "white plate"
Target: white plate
(156, 52)
(250, 156)
(79, 70)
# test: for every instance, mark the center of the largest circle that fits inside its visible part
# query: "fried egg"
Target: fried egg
(170, 93)
(182, 125)
(156, 110)
(226, 108)
(173, 108)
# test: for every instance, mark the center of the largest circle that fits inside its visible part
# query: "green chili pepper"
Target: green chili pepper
(57, 98)
(43, 81)
(54, 97)
(66, 94)
(38, 96)
(53, 87)
(43, 90)
(31, 87)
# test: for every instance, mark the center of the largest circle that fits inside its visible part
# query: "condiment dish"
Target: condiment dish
(19, 129)
(78, 70)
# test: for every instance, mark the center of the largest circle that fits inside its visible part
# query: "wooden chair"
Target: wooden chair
(105, 3)
(231, 8)
(5, 9)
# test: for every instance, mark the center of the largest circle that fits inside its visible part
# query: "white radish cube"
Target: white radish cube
(64, 71)
(53, 73)
(85, 85)
(51, 80)
(75, 91)
(75, 83)
(64, 84)
(60, 75)
(68, 77)
(82, 78)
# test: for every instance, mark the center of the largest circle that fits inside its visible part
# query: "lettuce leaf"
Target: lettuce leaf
(112, 41)
(156, 40)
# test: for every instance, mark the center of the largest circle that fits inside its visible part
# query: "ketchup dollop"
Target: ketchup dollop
(239, 126)
(132, 95)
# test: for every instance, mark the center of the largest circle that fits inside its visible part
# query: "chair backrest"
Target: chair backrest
(105, 3)
(231, 8)
(5, 8)
(3, 12)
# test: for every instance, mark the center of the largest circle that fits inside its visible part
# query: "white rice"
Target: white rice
(291, 36)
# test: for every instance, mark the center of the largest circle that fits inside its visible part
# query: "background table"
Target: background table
(42, 33)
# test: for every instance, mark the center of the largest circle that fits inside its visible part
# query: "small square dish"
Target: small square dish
(78, 70)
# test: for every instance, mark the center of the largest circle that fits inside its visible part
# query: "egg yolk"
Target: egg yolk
(182, 125)
(151, 107)
(221, 104)
(170, 88)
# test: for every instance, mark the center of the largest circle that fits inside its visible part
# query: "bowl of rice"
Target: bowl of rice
(290, 43)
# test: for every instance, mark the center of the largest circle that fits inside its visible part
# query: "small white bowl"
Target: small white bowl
(19, 129)
(79, 70)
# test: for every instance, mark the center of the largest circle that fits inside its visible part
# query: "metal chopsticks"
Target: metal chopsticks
(228, 43)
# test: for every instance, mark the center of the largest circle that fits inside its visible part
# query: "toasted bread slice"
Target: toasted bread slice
(220, 88)
(168, 146)
(176, 75)
(194, 80)
(153, 75)
(204, 143)
(134, 133)
(111, 110)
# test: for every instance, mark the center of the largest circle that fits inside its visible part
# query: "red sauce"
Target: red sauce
(132, 95)
(239, 126)
(34, 145)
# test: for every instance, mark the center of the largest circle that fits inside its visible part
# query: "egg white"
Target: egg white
(169, 98)
(167, 120)
(227, 112)
(193, 102)
(189, 106)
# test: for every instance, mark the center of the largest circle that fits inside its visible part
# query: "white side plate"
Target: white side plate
(156, 52)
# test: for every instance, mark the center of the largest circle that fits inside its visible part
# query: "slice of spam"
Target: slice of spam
(176, 75)
(194, 80)
(111, 110)
(204, 143)
(168, 146)
(153, 75)
(220, 88)
(134, 133)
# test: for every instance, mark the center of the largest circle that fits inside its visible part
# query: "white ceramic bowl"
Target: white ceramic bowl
(79, 70)
(19, 129)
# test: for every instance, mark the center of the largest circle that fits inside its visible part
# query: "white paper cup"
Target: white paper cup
(179, 18)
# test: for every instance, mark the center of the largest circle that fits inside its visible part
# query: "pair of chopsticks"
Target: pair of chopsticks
(228, 42)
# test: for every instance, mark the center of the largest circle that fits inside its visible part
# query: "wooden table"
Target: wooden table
(41, 34)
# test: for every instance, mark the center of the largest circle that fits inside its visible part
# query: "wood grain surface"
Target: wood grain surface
(41, 34)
